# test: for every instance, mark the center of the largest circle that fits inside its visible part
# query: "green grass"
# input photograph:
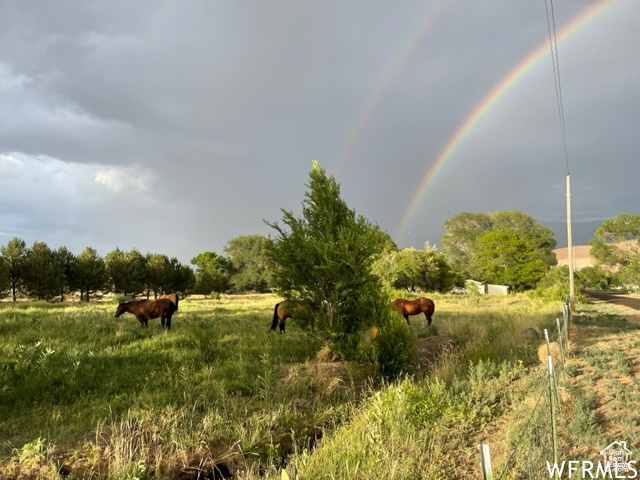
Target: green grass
(86, 393)
(71, 373)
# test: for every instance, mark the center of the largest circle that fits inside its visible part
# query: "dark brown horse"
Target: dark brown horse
(171, 296)
(415, 307)
(146, 309)
(281, 312)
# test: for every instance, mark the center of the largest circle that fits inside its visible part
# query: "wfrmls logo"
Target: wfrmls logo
(615, 464)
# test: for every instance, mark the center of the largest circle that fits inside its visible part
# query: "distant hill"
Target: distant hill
(581, 254)
(580, 232)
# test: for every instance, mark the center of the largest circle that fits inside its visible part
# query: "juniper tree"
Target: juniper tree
(323, 260)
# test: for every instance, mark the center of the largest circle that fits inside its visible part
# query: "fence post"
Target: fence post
(554, 433)
(546, 338)
(566, 311)
(485, 461)
(561, 342)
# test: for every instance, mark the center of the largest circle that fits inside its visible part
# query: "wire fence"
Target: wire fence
(537, 440)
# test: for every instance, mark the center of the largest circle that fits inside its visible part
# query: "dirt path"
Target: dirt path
(604, 375)
(630, 306)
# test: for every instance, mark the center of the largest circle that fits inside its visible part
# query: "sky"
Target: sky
(173, 127)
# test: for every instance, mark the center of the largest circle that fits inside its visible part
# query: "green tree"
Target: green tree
(592, 277)
(426, 270)
(182, 279)
(248, 263)
(14, 255)
(65, 260)
(5, 281)
(471, 249)
(42, 272)
(323, 261)
(126, 271)
(212, 274)
(461, 233)
(157, 274)
(616, 246)
(89, 273)
(505, 257)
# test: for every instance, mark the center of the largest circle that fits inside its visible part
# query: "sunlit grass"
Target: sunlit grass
(97, 396)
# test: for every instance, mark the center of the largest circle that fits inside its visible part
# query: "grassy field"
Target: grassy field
(86, 395)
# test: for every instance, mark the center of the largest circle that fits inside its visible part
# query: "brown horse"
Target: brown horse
(146, 309)
(171, 296)
(280, 314)
(415, 307)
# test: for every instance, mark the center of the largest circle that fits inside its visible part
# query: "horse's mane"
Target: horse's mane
(134, 302)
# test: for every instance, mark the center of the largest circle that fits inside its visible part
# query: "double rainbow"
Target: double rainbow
(525, 65)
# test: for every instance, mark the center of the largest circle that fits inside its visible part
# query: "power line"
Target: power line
(553, 45)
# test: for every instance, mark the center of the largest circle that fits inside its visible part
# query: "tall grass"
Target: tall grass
(86, 393)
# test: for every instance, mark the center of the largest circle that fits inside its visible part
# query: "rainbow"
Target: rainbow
(489, 101)
(365, 112)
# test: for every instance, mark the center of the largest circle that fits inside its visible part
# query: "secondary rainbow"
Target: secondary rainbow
(368, 107)
(485, 105)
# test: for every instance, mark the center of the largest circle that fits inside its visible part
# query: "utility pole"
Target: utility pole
(572, 292)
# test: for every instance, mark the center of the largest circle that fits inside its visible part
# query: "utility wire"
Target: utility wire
(553, 45)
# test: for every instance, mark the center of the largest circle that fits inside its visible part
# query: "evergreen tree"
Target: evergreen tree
(14, 255)
(323, 261)
(42, 272)
(65, 260)
(5, 281)
(157, 274)
(126, 271)
(89, 273)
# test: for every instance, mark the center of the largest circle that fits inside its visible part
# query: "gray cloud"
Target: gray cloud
(118, 116)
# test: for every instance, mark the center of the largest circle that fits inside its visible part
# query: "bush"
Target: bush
(393, 349)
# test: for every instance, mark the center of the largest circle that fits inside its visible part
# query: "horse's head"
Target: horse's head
(120, 310)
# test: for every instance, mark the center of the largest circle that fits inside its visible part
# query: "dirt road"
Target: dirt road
(630, 304)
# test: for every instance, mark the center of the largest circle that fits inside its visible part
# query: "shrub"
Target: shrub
(394, 348)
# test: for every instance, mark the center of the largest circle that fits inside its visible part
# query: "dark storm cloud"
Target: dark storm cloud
(209, 113)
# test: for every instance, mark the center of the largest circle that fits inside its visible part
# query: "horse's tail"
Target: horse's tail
(177, 300)
(274, 322)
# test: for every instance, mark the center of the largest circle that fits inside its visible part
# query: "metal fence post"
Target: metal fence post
(485, 461)
(546, 338)
(554, 433)
(560, 341)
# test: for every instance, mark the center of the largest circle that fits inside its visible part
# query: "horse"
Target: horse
(171, 296)
(146, 309)
(415, 307)
(281, 313)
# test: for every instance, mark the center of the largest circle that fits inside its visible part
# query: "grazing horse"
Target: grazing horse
(146, 309)
(280, 313)
(415, 307)
(171, 296)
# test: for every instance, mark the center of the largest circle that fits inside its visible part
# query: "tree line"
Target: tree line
(505, 247)
(42, 273)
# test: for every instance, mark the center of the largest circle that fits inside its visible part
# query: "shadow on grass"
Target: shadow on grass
(611, 323)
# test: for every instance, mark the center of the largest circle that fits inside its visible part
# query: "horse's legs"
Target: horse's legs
(427, 315)
(282, 325)
(406, 318)
(141, 319)
(169, 322)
